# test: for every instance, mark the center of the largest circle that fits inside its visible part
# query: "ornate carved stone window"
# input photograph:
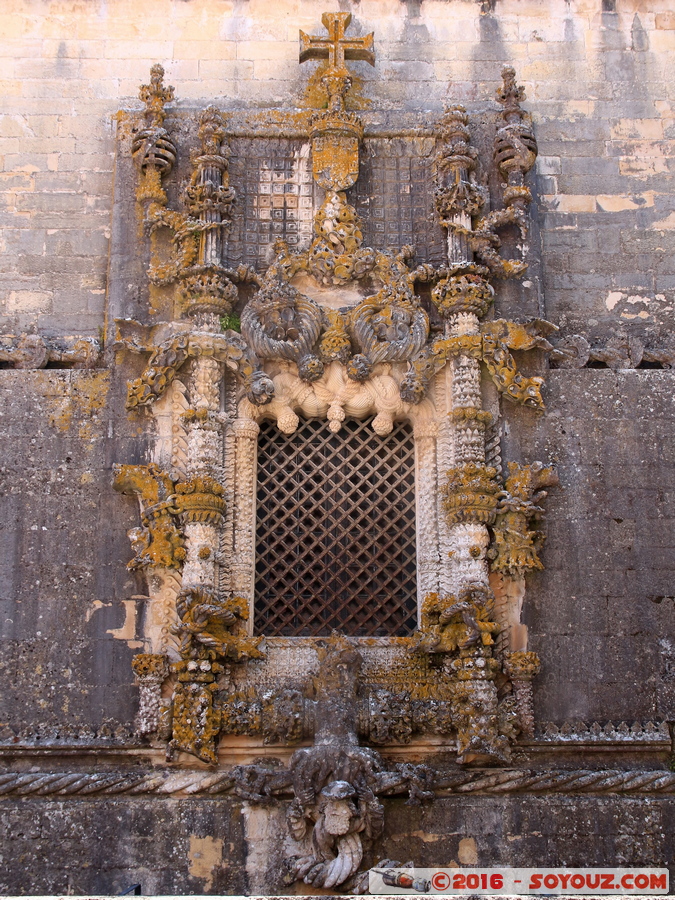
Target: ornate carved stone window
(353, 369)
(335, 537)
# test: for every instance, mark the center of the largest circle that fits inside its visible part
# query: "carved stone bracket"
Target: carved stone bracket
(32, 351)
(623, 350)
(159, 541)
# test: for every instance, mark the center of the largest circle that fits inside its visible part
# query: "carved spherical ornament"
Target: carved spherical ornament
(359, 367)
(152, 148)
(413, 387)
(515, 148)
(259, 388)
(310, 368)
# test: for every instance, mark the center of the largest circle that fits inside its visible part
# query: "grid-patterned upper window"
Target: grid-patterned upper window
(335, 531)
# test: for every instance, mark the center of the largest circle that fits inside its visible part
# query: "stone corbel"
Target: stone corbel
(515, 546)
(158, 543)
(168, 357)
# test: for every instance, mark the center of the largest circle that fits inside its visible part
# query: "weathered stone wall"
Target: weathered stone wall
(601, 614)
(198, 846)
(105, 847)
(69, 605)
(599, 82)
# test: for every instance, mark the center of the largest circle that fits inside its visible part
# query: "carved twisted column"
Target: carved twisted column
(469, 539)
(207, 294)
(468, 497)
(200, 496)
(461, 297)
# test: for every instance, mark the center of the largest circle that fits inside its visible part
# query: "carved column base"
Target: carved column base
(150, 670)
(476, 702)
(522, 667)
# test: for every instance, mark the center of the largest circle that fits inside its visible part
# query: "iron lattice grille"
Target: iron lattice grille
(336, 530)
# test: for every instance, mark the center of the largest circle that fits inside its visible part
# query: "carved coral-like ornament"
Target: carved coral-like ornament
(388, 330)
(471, 494)
(281, 323)
(200, 500)
(462, 294)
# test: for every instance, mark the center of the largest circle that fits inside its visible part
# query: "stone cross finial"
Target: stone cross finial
(336, 48)
(155, 95)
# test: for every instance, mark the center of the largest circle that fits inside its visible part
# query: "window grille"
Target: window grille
(335, 531)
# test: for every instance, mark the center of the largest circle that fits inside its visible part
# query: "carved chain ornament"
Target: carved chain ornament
(376, 347)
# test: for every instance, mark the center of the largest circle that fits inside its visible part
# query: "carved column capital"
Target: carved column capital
(246, 428)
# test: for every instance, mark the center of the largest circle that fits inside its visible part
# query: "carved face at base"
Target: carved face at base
(337, 808)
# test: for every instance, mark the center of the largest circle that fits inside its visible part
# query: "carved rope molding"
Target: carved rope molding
(165, 784)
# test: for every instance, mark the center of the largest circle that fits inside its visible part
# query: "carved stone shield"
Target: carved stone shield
(335, 160)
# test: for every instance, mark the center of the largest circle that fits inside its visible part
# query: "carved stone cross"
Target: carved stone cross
(336, 48)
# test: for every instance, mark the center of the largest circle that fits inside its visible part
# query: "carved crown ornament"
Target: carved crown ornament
(330, 329)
